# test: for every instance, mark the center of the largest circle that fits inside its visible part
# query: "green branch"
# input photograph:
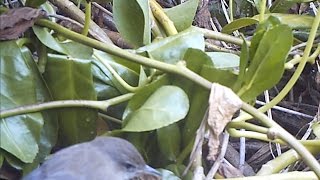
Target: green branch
(102, 105)
(277, 131)
(87, 19)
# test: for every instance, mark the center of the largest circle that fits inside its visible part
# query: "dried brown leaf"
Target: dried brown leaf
(14, 22)
(223, 103)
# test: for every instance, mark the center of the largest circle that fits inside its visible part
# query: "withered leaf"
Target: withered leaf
(14, 22)
(223, 103)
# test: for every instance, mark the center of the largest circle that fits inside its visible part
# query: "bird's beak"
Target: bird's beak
(150, 171)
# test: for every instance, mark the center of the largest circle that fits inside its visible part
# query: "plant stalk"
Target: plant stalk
(102, 105)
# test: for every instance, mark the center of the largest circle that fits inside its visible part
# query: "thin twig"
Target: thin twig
(220, 157)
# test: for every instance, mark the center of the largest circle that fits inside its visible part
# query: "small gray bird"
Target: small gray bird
(104, 158)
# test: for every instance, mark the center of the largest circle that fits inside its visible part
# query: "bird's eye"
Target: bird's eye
(129, 166)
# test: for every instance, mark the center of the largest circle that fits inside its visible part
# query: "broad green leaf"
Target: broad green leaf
(49, 132)
(195, 59)
(198, 106)
(34, 3)
(261, 29)
(238, 24)
(316, 129)
(169, 139)
(48, 7)
(282, 6)
(67, 47)
(173, 48)
(19, 134)
(294, 21)
(143, 94)
(132, 19)
(71, 79)
(178, 15)
(143, 79)
(139, 140)
(222, 60)
(221, 76)
(12, 160)
(104, 86)
(269, 57)
(165, 106)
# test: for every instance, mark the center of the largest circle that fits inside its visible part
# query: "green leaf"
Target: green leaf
(195, 59)
(143, 94)
(222, 60)
(244, 60)
(103, 84)
(221, 76)
(71, 79)
(49, 132)
(132, 19)
(269, 57)
(261, 29)
(143, 79)
(173, 48)
(316, 129)
(140, 141)
(282, 6)
(178, 15)
(67, 47)
(19, 134)
(169, 139)
(12, 160)
(34, 3)
(294, 21)
(238, 24)
(165, 106)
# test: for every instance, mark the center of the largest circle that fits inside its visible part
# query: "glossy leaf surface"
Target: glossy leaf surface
(133, 21)
(19, 134)
(166, 105)
(70, 78)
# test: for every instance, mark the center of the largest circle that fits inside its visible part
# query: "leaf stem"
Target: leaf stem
(262, 8)
(169, 68)
(102, 105)
(278, 131)
(231, 10)
(87, 19)
(163, 18)
(220, 36)
(121, 81)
